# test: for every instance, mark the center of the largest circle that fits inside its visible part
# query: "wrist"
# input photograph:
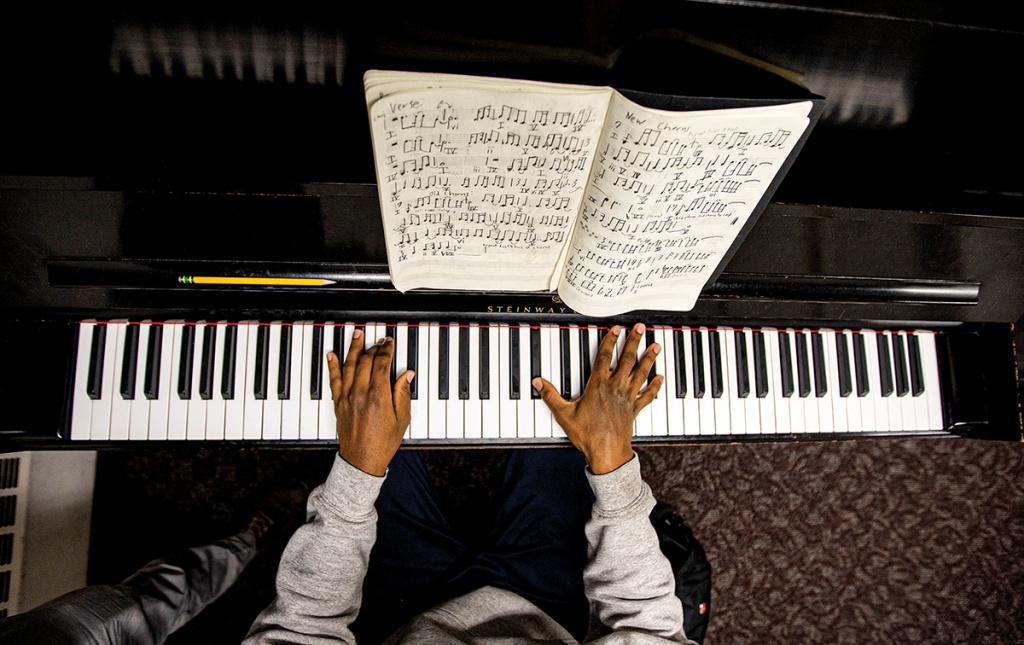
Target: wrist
(608, 461)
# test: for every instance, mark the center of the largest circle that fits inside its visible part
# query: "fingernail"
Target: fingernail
(538, 384)
(389, 339)
(330, 356)
(657, 348)
(640, 328)
(616, 330)
(357, 333)
(380, 341)
(410, 376)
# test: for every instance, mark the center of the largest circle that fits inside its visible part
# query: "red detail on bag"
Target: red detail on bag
(702, 608)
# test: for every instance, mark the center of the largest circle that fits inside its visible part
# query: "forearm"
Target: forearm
(628, 581)
(320, 578)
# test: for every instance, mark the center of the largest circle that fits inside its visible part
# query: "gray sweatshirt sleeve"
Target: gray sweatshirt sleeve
(320, 578)
(628, 581)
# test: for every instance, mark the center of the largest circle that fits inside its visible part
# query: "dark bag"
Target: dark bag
(690, 566)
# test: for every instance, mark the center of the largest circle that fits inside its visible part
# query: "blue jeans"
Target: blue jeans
(536, 546)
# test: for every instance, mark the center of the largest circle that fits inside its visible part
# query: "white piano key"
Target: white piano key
(120, 408)
(853, 406)
(138, 424)
(594, 335)
(455, 406)
(737, 416)
(809, 403)
(932, 386)
(642, 425)
(177, 408)
(825, 414)
(673, 405)
(196, 424)
(507, 406)
(620, 344)
(308, 407)
(159, 408)
(291, 407)
(401, 361)
(921, 413)
(425, 371)
(81, 405)
(327, 424)
(542, 420)
(907, 404)
(797, 405)
(660, 405)
(575, 356)
(234, 408)
(875, 404)
(490, 411)
(892, 402)
(526, 406)
(751, 404)
(714, 413)
(272, 405)
(252, 426)
(691, 404)
(840, 418)
(438, 408)
(768, 415)
(780, 404)
(473, 423)
(216, 406)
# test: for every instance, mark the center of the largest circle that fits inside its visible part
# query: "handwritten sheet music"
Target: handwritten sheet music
(668, 195)
(481, 189)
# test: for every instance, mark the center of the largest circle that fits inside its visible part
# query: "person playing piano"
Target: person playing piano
(572, 556)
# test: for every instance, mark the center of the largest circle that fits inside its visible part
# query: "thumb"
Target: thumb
(401, 395)
(549, 394)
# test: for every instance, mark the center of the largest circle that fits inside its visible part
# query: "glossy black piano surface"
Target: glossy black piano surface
(145, 144)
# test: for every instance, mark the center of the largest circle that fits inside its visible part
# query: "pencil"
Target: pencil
(254, 282)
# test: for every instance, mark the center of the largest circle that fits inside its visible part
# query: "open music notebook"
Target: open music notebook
(508, 185)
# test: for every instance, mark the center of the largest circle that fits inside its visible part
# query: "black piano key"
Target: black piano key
(463, 362)
(442, 363)
(678, 343)
(485, 362)
(715, 364)
(94, 386)
(535, 360)
(316, 365)
(884, 366)
(565, 363)
(916, 370)
(513, 362)
(760, 366)
(259, 386)
(742, 374)
(860, 365)
(843, 358)
(284, 364)
(339, 343)
(227, 376)
(390, 332)
(697, 358)
(649, 339)
(154, 347)
(818, 357)
(899, 362)
(584, 356)
(129, 361)
(413, 344)
(785, 365)
(185, 360)
(208, 363)
(803, 366)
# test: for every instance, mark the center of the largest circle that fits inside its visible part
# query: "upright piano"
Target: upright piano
(877, 295)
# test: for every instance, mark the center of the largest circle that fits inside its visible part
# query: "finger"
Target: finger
(348, 372)
(606, 351)
(628, 358)
(364, 369)
(643, 368)
(647, 395)
(549, 394)
(382, 361)
(334, 370)
(402, 396)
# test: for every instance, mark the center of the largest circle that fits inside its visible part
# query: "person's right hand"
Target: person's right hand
(600, 423)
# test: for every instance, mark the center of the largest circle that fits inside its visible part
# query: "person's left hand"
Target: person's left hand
(372, 417)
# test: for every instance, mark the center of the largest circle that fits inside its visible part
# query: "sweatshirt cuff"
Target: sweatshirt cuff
(618, 490)
(351, 491)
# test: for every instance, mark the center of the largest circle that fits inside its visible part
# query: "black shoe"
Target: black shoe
(278, 514)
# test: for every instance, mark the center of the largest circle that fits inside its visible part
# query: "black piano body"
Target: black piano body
(256, 160)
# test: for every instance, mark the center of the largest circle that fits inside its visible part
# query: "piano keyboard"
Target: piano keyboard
(260, 381)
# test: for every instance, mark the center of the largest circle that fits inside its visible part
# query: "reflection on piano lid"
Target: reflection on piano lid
(267, 381)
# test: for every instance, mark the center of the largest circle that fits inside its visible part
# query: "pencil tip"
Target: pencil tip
(328, 281)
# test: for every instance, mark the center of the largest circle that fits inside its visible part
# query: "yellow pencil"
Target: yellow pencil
(254, 282)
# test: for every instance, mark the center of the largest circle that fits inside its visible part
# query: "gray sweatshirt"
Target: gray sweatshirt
(628, 581)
